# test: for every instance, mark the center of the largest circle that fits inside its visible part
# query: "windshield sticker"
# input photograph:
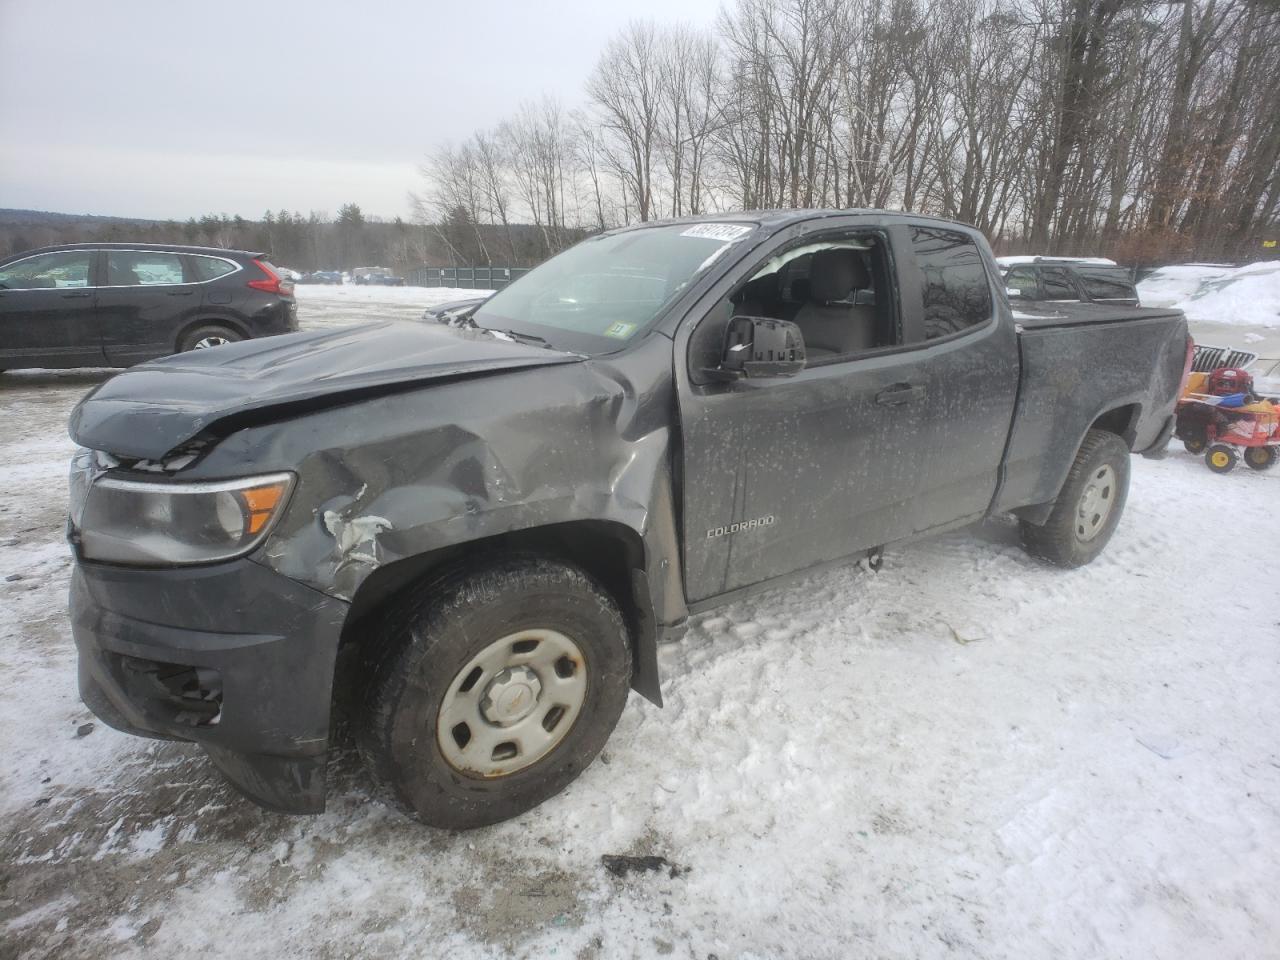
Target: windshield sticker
(725, 232)
(620, 330)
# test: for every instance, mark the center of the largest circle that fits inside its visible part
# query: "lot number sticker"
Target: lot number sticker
(725, 232)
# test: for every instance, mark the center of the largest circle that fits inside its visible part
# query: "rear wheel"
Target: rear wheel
(1260, 458)
(1195, 447)
(1221, 458)
(490, 689)
(209, 335)
(1088, 507)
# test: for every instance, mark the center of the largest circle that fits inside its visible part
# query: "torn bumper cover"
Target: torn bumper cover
(231, 656)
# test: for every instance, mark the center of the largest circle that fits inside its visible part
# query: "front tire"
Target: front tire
(1088, 507)
(1195, 447)
(1221, 458)
(490, 689)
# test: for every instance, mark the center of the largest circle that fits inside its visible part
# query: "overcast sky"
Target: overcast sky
(170, 108)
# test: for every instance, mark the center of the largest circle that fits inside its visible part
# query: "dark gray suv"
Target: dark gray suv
(117, 304)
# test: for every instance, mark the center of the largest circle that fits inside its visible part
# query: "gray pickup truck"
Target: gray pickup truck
(471, 536)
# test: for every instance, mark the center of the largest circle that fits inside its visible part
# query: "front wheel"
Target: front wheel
(1221, 458)
(1195, 447)
(1088, 507)
(490, 689)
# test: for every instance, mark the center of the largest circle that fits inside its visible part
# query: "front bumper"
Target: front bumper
(232, 656)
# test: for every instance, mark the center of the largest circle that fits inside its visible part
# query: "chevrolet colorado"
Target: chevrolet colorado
(475, 534)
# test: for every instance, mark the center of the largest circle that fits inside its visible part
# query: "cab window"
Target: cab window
(1024, 280)
(48, 271)
(1058, 285)
(833, 288)
(957, 292)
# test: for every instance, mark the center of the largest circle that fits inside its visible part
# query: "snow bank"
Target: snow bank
(1244, 296)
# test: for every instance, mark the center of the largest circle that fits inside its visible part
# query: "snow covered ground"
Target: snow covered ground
(966, 754)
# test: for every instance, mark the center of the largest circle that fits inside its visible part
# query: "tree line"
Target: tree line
(1147, 131)
(305, 242)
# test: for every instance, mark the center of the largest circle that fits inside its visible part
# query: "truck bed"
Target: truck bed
(1079, 361)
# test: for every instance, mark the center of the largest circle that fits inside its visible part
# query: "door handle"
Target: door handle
(181, 293)
(77, 295)
(900, 393)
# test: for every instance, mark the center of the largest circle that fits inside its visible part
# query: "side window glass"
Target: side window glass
(211, 268)
(48, 271)
(136, 268)
(957, 295)
(1058, 285)
(1023, 279)
(1107, 285)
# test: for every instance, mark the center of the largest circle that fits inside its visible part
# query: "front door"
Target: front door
(785, 473)
(47, 311)
(144, 304)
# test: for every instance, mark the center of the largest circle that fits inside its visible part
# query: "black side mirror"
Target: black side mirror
(760, 347)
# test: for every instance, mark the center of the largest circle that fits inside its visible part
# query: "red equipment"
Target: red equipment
(1220, 416)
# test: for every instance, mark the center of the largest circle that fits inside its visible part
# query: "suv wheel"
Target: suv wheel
(1088, 507)
(490, 689)
(208, 335)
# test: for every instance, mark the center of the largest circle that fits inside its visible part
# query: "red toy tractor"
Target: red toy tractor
(1220, 416)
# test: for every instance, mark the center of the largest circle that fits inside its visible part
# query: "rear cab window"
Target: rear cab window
(957, 291)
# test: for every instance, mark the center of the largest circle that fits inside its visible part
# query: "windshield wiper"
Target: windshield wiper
(517, 335)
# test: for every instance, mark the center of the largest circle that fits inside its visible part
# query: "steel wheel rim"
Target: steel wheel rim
(213, 340)
(1096, 503)
(512, 703)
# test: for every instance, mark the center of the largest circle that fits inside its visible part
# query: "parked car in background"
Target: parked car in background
(117, 304)
(376, 276)
(1069, 280)
(453, 311)
(333, 277)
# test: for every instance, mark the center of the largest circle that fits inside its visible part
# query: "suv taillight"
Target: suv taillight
(273, 283)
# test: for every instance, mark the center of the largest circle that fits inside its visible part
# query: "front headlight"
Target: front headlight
(157, 524)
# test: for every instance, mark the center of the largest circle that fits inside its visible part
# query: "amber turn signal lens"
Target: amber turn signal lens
(261, 502)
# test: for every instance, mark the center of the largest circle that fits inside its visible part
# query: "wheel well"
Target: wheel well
(208, 322)
(1122, 421)
(611, 552)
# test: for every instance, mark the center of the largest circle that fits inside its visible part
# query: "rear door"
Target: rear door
(47, 311)
(146, 299)
(966, 349)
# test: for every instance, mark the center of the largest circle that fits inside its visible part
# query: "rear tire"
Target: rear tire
(1221, 458)
(1260, 458)
(1194, 447)
(453, 664)
(1088, 507)
(208, 335)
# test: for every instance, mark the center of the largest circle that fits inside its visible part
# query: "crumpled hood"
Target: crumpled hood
(150, 409)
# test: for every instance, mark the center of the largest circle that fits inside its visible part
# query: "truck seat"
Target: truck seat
(831, 323)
